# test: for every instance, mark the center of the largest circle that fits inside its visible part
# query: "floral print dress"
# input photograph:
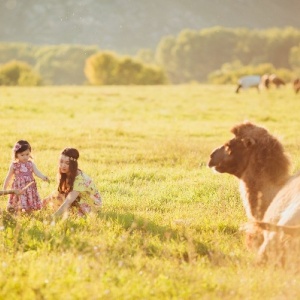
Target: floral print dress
(30, 199)
(89, 196)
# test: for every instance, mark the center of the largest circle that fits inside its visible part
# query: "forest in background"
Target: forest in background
(146, 42)
(125, 26)
(191, 56)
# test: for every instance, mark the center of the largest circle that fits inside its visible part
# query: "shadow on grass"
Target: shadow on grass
(130, 222)
(20, 234)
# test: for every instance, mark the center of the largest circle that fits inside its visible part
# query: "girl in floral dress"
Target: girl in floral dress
(76, 190)
(22, 169)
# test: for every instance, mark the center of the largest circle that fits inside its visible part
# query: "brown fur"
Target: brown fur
(270, 195)
(274, 79)
(268, 153)
(254, 153)
(296, 85)
(265, 81)
(268, 80)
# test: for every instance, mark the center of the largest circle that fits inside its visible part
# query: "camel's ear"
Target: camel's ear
(248, 142)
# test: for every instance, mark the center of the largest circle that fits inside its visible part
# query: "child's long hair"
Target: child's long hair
(66, 181)
(20, 147)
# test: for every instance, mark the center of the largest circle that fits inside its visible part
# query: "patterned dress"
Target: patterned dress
(89, 196)
(30, 199)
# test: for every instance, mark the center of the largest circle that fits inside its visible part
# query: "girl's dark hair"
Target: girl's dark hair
(20, 147)
(66, 182)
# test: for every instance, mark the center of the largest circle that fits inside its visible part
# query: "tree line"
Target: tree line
(215, 54)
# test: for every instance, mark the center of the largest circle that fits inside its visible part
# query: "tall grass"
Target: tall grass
(169, 227)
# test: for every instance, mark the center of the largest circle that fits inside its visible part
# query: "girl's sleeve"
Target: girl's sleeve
(79, 184)
(85, 184)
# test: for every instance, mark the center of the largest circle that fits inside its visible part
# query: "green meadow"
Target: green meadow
(169, 226)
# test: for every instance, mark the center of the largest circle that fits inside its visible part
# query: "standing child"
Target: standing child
(22, 169)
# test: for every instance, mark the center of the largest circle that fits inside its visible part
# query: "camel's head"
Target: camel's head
(254, 148)
(232, 157)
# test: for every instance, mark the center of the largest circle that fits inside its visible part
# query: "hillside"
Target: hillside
(128, 25)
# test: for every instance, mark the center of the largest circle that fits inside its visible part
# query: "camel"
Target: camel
(271, 196)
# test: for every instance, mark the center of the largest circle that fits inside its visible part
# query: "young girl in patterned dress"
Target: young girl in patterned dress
(22, 169)
(76, 190)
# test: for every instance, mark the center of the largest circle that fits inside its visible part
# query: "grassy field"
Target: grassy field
(169, 226)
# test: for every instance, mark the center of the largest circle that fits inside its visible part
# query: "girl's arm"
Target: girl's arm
(39, 174)
(66, 204)
(17, 192)
(54, 197)
(8, 177)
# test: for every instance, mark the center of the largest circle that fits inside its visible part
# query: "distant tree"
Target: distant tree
(217, 48)
(294, 58)
(187, 53)
(106, 68)
(101, 68)
(146, 56)
(250, 46)
(193, 55)
(128, 71)
(280, 42)
(152, 75)
(64, 64)
(17, 51)
(165, 56)
(19, 73)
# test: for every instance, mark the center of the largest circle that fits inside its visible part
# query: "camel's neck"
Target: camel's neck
(257, 194)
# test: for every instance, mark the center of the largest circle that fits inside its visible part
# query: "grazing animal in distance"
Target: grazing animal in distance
(296, 85)
(274, 79)
(265, 81)
(271, 196)
(248, 81)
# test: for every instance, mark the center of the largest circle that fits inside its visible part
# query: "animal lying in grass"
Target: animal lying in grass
(271, 196)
